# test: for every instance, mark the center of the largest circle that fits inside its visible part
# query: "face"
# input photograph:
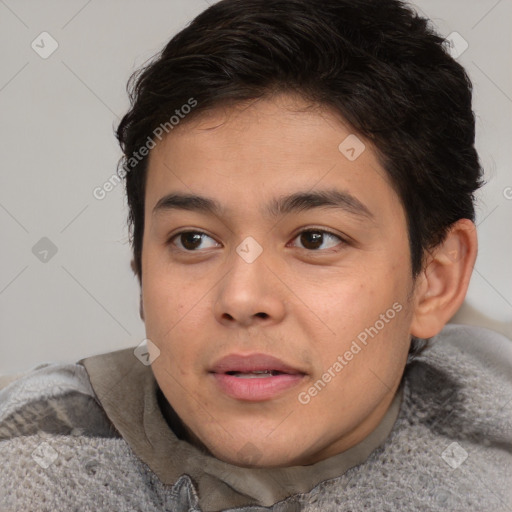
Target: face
(293, 260)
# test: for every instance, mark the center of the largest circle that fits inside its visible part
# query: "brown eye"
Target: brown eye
(191, 240)
(314, 239)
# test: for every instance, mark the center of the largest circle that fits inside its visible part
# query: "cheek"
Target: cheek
(174, 313)
(356, 301)
(369, 309)
(165, 295)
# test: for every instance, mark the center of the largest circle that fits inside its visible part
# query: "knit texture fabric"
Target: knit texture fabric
(449, 450)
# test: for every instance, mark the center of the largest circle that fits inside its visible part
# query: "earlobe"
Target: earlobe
(443, 283)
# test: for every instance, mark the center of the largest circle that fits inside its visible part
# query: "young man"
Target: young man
(300, 179)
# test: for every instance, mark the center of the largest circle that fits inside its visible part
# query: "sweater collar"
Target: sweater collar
(129, 394)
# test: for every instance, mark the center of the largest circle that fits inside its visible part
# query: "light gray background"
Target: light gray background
(57, 120)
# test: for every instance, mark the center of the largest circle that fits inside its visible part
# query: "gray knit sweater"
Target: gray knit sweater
(70, 442)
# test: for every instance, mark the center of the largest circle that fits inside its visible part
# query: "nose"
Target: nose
(250, 293)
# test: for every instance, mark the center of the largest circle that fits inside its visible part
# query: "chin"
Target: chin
(252, 454)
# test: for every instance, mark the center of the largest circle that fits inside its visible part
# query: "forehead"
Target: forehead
(247, 155)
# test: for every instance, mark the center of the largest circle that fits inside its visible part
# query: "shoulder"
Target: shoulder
(53, 398)
(474, 346)
(454, 437)
(473, 364)
(59, 448)
(463, 381)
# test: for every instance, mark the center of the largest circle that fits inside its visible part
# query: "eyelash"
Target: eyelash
(308, 230)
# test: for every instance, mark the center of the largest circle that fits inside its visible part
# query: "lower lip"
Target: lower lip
(258, 388)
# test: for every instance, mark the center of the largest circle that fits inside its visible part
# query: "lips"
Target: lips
(234, 363)
(255, 377)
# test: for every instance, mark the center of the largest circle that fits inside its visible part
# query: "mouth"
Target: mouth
(257, 374)
(255, 377)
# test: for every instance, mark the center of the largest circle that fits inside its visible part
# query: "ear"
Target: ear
(442, 285)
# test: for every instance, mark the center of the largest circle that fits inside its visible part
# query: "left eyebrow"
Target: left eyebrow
(297, 202)
(331, 198)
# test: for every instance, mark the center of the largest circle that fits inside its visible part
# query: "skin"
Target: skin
(300, 300)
